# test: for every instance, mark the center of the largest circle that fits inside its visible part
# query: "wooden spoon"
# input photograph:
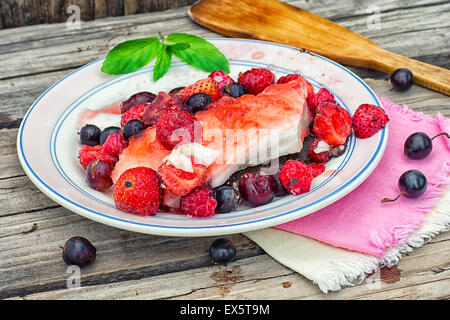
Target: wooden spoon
(276, 21)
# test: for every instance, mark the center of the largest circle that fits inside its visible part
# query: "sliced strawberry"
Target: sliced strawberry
(333, 124)
(87, 154)
(180, 182)
(208, 86)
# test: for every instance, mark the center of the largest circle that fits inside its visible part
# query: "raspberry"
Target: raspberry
(368, 120)
(221, 78)
(87, 154)
(162, 102)
(296, 177)
(333, 124)
(199, 203)
(135, 112)
(208, 86)
(313, 99)
(114, 144)
(138, 191)
(316, 169)
(256, 80)
(321, 157)
(176, 126)
(290, 77)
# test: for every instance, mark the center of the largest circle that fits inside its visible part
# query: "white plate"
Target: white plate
(48, 143)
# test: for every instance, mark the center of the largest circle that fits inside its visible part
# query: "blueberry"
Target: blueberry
(401, 79)
(419, 145)
(107, 132)
(412, 184)
(234, 90)
(90, 135)
(222, 251)
(132, 127)
(227, 199)
(199, 102)
(78, 251)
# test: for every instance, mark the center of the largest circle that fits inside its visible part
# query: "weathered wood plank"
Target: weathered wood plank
(32, 262)
(77, 47)
(16, 13)
(261, 277)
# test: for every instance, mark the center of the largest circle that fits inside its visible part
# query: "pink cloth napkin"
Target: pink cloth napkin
(359, 221)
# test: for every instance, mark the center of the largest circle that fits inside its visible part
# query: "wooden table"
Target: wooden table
(131, 265)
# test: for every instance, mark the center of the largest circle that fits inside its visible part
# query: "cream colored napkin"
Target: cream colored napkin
(332, 268)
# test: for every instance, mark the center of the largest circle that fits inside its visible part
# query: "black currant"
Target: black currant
(419, 145)
(107, 132)
(401, 79)
(199, 102)
(234, 90)
(227, 199)
(222, 251)
(132, 127)
(90, 135)
(412, 184)
(78, 251)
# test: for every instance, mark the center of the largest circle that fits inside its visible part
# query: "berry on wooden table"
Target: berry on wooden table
(222, 251)
(78, 251)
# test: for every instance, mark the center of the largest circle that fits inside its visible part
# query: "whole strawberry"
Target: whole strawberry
(199, 203)
(296, 177)
(256, 80)
(138, 191)
(208, 86)
(368, 120)
(176, 126)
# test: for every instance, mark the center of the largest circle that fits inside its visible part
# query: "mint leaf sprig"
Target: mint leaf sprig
(132, 55)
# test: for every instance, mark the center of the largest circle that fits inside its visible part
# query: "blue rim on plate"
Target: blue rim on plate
(159, 229)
